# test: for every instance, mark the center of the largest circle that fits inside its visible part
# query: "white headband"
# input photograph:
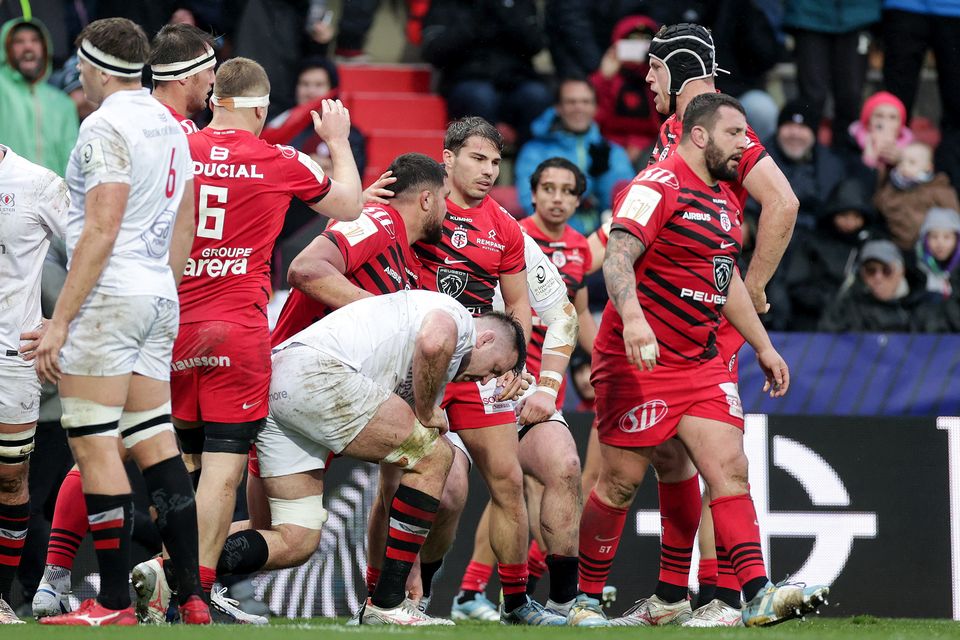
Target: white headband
(109, 63)
(184, 69)
(240, 102)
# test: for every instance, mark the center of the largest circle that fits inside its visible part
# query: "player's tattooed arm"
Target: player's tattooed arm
(623, 250)
(639, 341)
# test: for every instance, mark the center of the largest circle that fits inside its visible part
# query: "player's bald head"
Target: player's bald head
(241, 77)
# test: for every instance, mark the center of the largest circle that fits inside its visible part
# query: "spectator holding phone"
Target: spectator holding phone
(625, 110)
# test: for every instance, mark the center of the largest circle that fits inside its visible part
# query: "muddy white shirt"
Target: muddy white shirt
(132, 139)
(376, 336)
(33, 207)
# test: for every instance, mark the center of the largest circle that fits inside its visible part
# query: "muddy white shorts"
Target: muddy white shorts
(319, 397)
(19, 392)
(117, 335)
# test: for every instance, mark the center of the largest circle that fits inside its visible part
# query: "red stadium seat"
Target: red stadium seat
(384, 145)
(408, 111)
(398, 78)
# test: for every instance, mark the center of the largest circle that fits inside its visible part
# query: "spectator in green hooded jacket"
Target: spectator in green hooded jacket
(38, 121)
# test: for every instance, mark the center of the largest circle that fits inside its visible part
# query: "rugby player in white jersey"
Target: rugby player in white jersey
(109, 343)
(353, 384)
(33, 207)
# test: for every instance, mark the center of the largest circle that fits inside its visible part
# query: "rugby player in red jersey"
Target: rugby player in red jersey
(181, 63)
(220, 373)
(548, 453)
(669, 269)
(683, 66)
(483, 246)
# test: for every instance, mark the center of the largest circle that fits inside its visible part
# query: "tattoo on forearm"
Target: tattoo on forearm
(623, 250)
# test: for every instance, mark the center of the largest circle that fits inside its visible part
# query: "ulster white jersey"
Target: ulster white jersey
(545, 286)
(376, 335)
(33, 206)
(134, 140)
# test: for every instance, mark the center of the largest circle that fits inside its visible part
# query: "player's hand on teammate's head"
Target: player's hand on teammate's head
(378, 192)
(775, 371)
(333, 121)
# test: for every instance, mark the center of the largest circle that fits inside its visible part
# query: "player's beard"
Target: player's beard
(718, 165)
(433, 231)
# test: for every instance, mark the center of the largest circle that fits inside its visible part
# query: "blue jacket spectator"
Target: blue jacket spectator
(569, 130)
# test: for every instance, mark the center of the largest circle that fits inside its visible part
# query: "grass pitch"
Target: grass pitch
(819, 628)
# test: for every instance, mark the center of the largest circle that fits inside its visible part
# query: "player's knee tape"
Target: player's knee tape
(15, 448)
(305, 512)
(191, 440)
(221, 437)
(417, 445)
(87, 418)
(137, 426)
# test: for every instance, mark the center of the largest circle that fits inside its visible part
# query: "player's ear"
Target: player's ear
(486, 337)
(425, 196)
(448, 158)
(700, 136)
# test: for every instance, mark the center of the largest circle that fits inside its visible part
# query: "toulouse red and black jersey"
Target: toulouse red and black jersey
(377, 257)
(691, 236)
(479, 244)
(571, 256)
(672, 130)
(243, 188)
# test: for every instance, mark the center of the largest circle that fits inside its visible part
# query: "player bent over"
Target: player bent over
(109, 342)
(356, 385)
(656, 370)
(34, 209)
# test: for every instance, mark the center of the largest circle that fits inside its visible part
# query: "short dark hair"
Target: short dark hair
(415, 171)
(320, 62)
(119, 37)
(178, 43)
(703, 110)
(557, 162)
(570, 80)
(515, 330)
(459, 131)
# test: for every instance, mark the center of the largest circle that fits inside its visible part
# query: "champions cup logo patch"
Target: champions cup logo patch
(459, 238)
(643, 416)
(722, 272)
(451, 281)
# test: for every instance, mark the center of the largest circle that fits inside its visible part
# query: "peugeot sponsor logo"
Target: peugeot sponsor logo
(722, 272)
(451, 281)
(643, 416)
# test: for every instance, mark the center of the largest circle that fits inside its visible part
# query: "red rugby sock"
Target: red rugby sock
(601, 526)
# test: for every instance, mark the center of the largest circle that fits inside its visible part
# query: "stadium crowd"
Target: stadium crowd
(839, 208)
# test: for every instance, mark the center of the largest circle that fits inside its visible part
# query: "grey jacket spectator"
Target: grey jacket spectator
(885, 297)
